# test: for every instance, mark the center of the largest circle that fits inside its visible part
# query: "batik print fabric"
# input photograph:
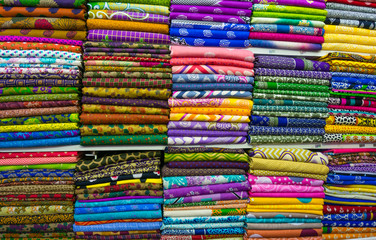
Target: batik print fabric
(211, 95)
(210, 203)
(285, 200)
(119, 189)
(283, 106)
(349, 193)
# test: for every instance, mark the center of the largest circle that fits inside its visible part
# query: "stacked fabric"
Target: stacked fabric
(210, 23)
(285, 24)
(350, 203)
(211, 96)
(119, 196)
(61, 19)
(37, 195)
(286, 199)
(127, 78)
(290, 100)
(205, 193)
(350, 26)
(352, 102)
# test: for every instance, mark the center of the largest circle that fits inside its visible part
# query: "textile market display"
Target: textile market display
(286, 196)
(211, 99)
(290, 100)
(119, 196)
(350, 194)
(205, 193)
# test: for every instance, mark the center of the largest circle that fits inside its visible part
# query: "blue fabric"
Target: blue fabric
(118, 215)
(287, 122)
(347, 200)
(205, 231)
(282, 220)
(210, 78)
(277, 109)
(209, 25)
(354, 75)
(284, 45)
(114, 227)
(208, 33)
(36, 173)
(210, 86)
(347, 179)
(79, 204)
(365, 81)
(349, 217)
(327, 223)
(214, 219)
(211, 94)
(13, 136)
(208, 42)
(341, 85)
(41, 142)
(197, 226)
(288, 102)
(117, 208)
(261, 130)
(278, 28)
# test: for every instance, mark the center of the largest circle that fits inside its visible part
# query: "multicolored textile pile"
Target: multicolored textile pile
(205, 193)
(220, 23)
(286, 24)
(119, 196)
(210, 102)
(290, 100)
(352, 102)
(350, 202)
(127, 77)
(286, 196)
(350, 26)
(37, 195)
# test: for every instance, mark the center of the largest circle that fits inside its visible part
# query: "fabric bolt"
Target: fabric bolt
(62, 34)
(286, 122)
(44, 11)
(127, 36)
(128, 16)
(210, 17)
(42, 23)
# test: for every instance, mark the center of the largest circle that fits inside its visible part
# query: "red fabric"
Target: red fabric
(339, 209)
(355, 3)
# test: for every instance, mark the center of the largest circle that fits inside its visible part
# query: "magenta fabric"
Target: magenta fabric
(363, 109)
(288, 195)
(285, 180)
(286, 37)
(40, 39)
(275, 188)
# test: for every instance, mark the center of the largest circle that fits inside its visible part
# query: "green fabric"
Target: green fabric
(36, 90)
(149, 2)
(63, 118)
(210, 156)
(344, 94)
(287, 102)
(282, 108)
(63, 166)
(285, 139)
(295, 93)
(125, 140)
(284, 21)
(39, 97)
(291, 114)
(310, 81)
(290, 86)
(291, 97)
(288, 15)
(288, 9)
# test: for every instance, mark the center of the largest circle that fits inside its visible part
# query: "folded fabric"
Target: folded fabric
(124, 140)
(213, 126)
(212, 78)
(352, 23)
(96, 108)
(179, 23)
(286, 37)
(121, 129)
(211, 102)
(211, 69)
(273, 188)
(114, 24)
(265, 130)
(132, 226)
(208, 198)
(187, 181)
(128, 16)
(211, 86)
(42, 23)
(208, 42)
(278, 79)
(288, 233)
(290, 29)
(292, 73)
(126, 92)
(61, 34)
(286, 122)
(119, 5)
(212, 94)
(211, 17)
(288, 9)
(311, 202)
(97, 118)
(233, 157)
(284, 180)
(290, 63)
(204, 231)
(289, 21)
(315, 4)
(98, 35)
(211, 110)
(124, 102)
(285, 139)
(47, 3)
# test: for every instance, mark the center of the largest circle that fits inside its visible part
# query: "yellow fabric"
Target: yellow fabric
(208, 110)
(352, 64)
(282, 201)
(283, 207)
(291, 174)
(349, 129)
(337, 29)
(353, 202)
(354, 39)
(127, 26)
(96, 108)
(352, 189)
(127, 92)
(208, 118)
(316, 212)
(346, 47)
(39, 127)
(338, 236)
(359, 186)
(149, 180)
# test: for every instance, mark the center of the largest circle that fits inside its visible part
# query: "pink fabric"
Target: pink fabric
(284, 180)
(288, 195)
(354, 91)
(212, 52)
(212, 69)
(275, 188)
(210, 61)
(364, 109)
(37, 154)
(349, 150)
(364, 102)
(37, 160)
(286, 37)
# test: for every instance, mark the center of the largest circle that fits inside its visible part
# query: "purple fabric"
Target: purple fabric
(117, 198)
(139, 17)
(204, 190)
(290, 63)
(209, 9)
(213, 126)
(217, 3)
(99, 35)
(125, 102)
(289, 195)
(212, 197)
(205, 140)
(300, 3)
(190, 133)
(210, 17)
(208, 164)
(353, 168)
(45, 104)
(126, 50)
(39, 39)
(202, 149)
(292, 73)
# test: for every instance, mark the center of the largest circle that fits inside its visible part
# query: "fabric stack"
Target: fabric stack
(205, 193)
(285, 24)
(350, 26)
(210, 23)
(119, 196)
(37, 195)
(290, 100)
(127, 77)
(286, 199)
(211, 96)
(350, 203)
(352, 102)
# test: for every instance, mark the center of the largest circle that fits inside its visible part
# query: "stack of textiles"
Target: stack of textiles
(350, 26)
(223, 23)
(39, 91)
(211, 96)
(127, 78)
(286, 199)
(352, 102)
(286, 24)
(119, 196)
(205, 193)
(37, 195)
(61, 19)
(350, 203)
(290, 100)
